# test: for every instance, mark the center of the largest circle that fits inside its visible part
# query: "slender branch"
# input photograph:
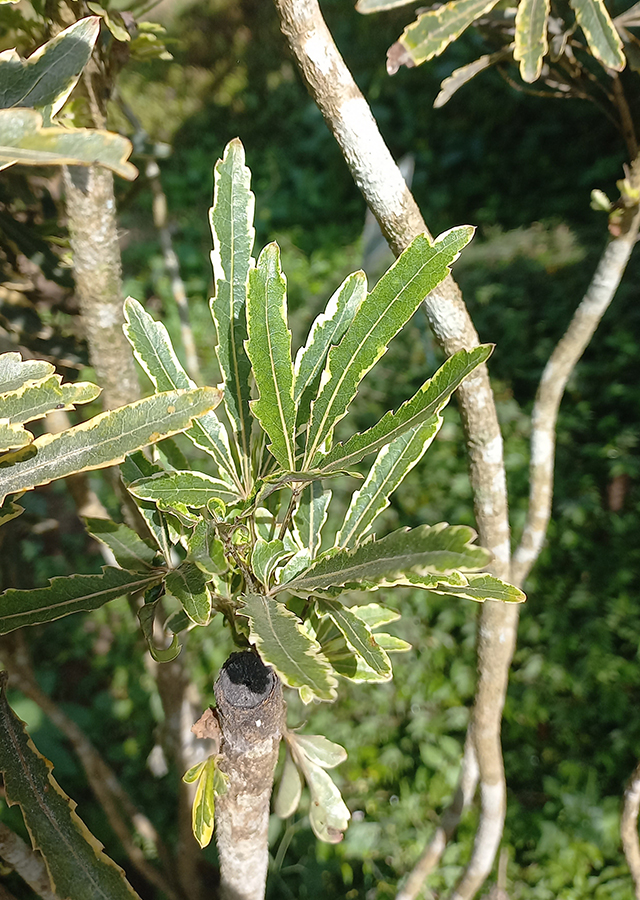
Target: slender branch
(28, 863)
(554, 379)
(349, 118)
(626, 119)
(629, 828)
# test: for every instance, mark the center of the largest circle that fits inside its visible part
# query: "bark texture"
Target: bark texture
(629, 828)
(28, 863)
(251, 713)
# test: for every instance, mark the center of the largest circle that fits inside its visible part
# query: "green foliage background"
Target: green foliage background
(522, 168)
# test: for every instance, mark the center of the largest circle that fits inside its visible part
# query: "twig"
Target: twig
(629, 828)
(349, 118)
(28, 863)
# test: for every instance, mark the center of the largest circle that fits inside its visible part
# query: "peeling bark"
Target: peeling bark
(251, 713)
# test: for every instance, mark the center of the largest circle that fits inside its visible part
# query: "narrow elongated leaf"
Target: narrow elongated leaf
(327, 330)
(531, 37)
(231, 219)
(427, 402)
(390, 467)
(107, 438)
(16, 372)
(69, 594)
(193, 489)
(279, 636)
(371, 6)
(483, 587)
(189, 585)
(464, 74)
(357, 636)
(269, 349)
(137, 466)
(311, 516)
(377, 320)
(289, 790)
(153, 349)
(49, 75)
(603, 39)
(25, 140)
(13, 437)
(212, 783)
(428, 548)
(433, 31)
(130, 551)
(77, 866)
(33, 401)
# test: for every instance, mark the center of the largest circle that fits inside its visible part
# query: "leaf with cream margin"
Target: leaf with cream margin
(35, 400)
(604, 41)
(328, 813)
(16, 372)
(531, 43)
(212, 783)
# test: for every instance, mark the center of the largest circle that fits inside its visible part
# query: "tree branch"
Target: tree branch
(349, 118)
(629, 828)
(28, 863)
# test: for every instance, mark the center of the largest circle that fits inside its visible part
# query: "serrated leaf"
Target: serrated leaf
(282, 642)
(269, 349)
(265, 557)
(483, 587)
(152, 348)
(377, 320)
(33, 401)
(289, 790)
(189, 585)
(231, 219)
(428, 401)
(428, 548)
(433, 31)
(311, 515)
(319, 749)
(25, 140)
(69, 594)
(193, 489)
(531, 44)
(49, 75)
(13, 437)
(391, 466)
(603, 39)
(464, 74)
(75, 861)
(130, 551)
(357, 636)
(328, 813)
(107, 438)
(16, 372)
(326, 331)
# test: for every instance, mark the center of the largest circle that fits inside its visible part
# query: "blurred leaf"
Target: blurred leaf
(433, 31)
(464, 74)
(531, 43)
(130, 551)
(119, 32)
(602, 37)
(289, 790)
(370, 6)
(328, 813)
(189, 585)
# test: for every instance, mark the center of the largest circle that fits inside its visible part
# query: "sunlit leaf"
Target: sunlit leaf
(193, 489)
(320, 750)
(531, 43)
(464, 74)
(371, 6)
(265, 557)
(188, 584)
(205, 550)
(16, 372)
(134, 467)
(483, 587)
(33, 401)
(328, 813)
(311, 516)
(357, 635)
(603, 39)
(13, 437)
(211, 784)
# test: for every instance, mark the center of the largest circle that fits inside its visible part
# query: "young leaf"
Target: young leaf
(428, 548)
(146, 617)
(321, 751)
(188, 585)
(107, 438)
(311, 515)
(70, 594)
(193, 489)
(24, 139)
(153, 349)
(328, 813)
(265, 557)
(130, 551)
(603, 39)
(434, 30)
(33, 401)
(427, 402)
(531, 37)
(357, 636)
(49, 75)
(464, 74)
(377, 320)
(391, 466)
(205, 550)
(269, 349)
(211, 784)
(289, 789)
(327, 330)
(279, 636)
(483, 587)
(231, 219)
(16, 372)
(77, 866)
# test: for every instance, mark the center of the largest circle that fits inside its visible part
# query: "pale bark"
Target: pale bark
(28, 863)
(349, 118)
(251, 713)
(629, 828)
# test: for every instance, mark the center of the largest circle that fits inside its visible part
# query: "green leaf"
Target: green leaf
(327, 330)
(119, 32)
(464, 74)
(75, 861)
(189, 585)
(146, 617)
(130, 551)
(603, 39)
(433, 31)
(269, 349)
(428, 548)
(153, 349)
(392, 644)
(33, 401)
(13, 437)
(212, 783)
(371, 6)
(390, 468)
(311, 515)
(284, 644)
(134, 467)
(193, 489)
(531, 37)
(289, 790)
(321, 751)
(328, 813)
(107, 438)
(357, 636)
(25, 140)
(205, 550)
(374, 615)
(70, 594)
(49, 75)
(377, 320)
(483, 587)
(231, 219)
(428, 401)
(265, 557)
(16, 372)
(9, 511)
